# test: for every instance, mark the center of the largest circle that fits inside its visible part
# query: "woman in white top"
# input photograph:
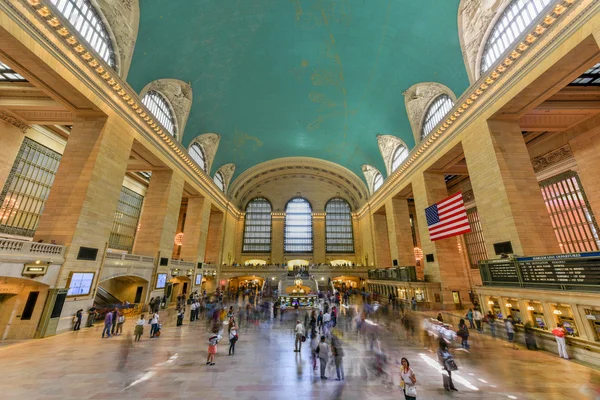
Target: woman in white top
(139, 328)
(154, 323)
(408, 380)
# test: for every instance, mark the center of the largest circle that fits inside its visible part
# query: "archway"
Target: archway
(120, 289)
(182, 286)
(21, 305)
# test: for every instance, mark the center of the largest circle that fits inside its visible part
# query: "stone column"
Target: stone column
(586, 150)
(158, 223)
(358, 246)
(382, 242)
(11, 139)
(391, 230)
(215, 237)
(403, 232)
(82, 203)
(277, 222)
(196, 229)
(448, 266)
(509, 200)
(319, 238)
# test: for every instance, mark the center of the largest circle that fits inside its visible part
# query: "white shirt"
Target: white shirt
(477, 315)
(155, 318)
(326, 317)
(193, 306)
(299, 329)
(140, 322)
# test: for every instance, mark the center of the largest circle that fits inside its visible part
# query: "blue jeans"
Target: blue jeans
(154, 329)
(107, 326)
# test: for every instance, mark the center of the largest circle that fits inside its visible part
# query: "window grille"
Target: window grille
(126, 220)
(83, 16)
(298, 237)
(7, 74)
(27, 188)
(377, 182)
(219, 181)
(518, 16)
(435, 113)
(339, 237)
(591, 77)
(400, 155)
(474, 239)
(257, 226)
(197, 155)
(158, 106)
(572, 219)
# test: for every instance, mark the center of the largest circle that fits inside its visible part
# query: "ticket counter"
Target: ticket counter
(536, 315)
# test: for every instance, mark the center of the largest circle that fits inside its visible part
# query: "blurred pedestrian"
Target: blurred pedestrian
(491, 320)
(463, 333)
(408, 380)
(77, 320)
(477, 316)
(108, 320)
(139, 328)
(509, 324)
(448, 365)
(233, 338)
(154, 322)
(299, 331)
(120, 322)
(338, 355)
(213, 341)
(470, 318)
(323, 353)
(559, 334)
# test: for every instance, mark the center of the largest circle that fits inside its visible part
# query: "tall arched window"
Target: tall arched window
(197, 155)
(82, 15)
(220, 182)
(435, 113)
(298, 236)
(158, 106)
(400, 155)
(377, 182)
(517, 17)
(338, 227)
(257, 226)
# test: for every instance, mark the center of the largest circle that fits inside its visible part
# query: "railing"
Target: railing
(184, 264)
(129, 257)
(400, 274)
(33, 248)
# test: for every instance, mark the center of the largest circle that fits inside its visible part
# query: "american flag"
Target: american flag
(447, 218)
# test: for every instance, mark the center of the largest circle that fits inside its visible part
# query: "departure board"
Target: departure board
(565, 269)
(503, 271)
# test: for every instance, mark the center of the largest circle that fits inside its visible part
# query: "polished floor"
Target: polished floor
(81, 365)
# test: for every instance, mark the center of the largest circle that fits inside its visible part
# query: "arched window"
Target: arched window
(435, 113)
(257, 226)
(219, 181)
(377, 182)
(298, 237)
(400, 155)
(85, 19)
(338, 227)
(197, 155)
(158, 106)
(517, 17)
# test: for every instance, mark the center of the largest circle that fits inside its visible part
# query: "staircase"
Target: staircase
(105, 298)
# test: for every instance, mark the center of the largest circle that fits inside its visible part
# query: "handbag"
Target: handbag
(410, 390)
(450, 364)
(303, 338)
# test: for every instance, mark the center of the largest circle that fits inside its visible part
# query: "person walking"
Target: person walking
(413, 304)
(338, 354)
(299, 331)
(120, 322)
(77, 320)
(478, 316)
(463, 333)
(320, 321)
(559, 334)
(114, 320)
(213, 341)
(139, 328)
(491, 320)
(233, 338)
(530, 336)
(323, 353)
(470, 318)
(180, 314)
(408, 380)
(509, 324)
(440, 318)
(314, 343)
(313, 325)
(154, 322)
(448, 364)
(193, 311)
(108, 320)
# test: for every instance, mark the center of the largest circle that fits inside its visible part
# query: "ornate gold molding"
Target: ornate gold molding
(544, 161)
(17, 123)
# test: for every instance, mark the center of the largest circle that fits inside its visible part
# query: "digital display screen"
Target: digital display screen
(161, 281)
(199, 279)
(80, 283)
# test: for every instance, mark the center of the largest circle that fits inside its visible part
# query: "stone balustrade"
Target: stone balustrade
(26, 250)
(129, 257)
(182, 264)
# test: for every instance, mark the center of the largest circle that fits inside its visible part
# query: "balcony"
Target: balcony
(25, 251)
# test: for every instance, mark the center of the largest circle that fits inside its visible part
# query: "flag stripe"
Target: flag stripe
(447, 218)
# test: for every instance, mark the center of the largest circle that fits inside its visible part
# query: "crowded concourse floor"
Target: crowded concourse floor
(82, 365)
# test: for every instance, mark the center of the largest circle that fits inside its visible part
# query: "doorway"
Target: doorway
(138, 294)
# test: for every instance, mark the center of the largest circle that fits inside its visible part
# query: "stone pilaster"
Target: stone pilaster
(318, 237)
(509, 200)
(403, 232)
(391, 229)
(196, 229)
(215, 236)
(586, 150)
(277, 221)
(448, 266)
(382, 242)
(158, 223)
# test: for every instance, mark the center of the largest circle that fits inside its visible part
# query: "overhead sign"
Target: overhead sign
(34, 269)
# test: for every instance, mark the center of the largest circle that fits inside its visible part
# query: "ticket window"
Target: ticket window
(402, 294)
(514, 310)
(494, 307)
(536, 311)
(564, 315)
(593, 316)
(419, 295)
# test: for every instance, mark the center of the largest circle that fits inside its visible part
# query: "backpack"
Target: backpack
(121, 319)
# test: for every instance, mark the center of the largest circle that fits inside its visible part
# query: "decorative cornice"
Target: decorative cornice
(471, 97)
(468, 196)
(544, 161)
(128, 98)
(17, 123)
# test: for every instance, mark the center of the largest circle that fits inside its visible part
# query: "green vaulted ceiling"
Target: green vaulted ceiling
(315, 78)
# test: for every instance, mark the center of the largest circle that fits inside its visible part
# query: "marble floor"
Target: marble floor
(81, 365)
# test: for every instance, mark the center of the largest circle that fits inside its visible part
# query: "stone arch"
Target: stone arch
(417, 100)
(210, 144)
(122, 19)
(370, 173)
(179, 96)
(476, 18)
(227, 172)
(387, 146)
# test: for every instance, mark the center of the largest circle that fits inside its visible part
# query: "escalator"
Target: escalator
(103, 298)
